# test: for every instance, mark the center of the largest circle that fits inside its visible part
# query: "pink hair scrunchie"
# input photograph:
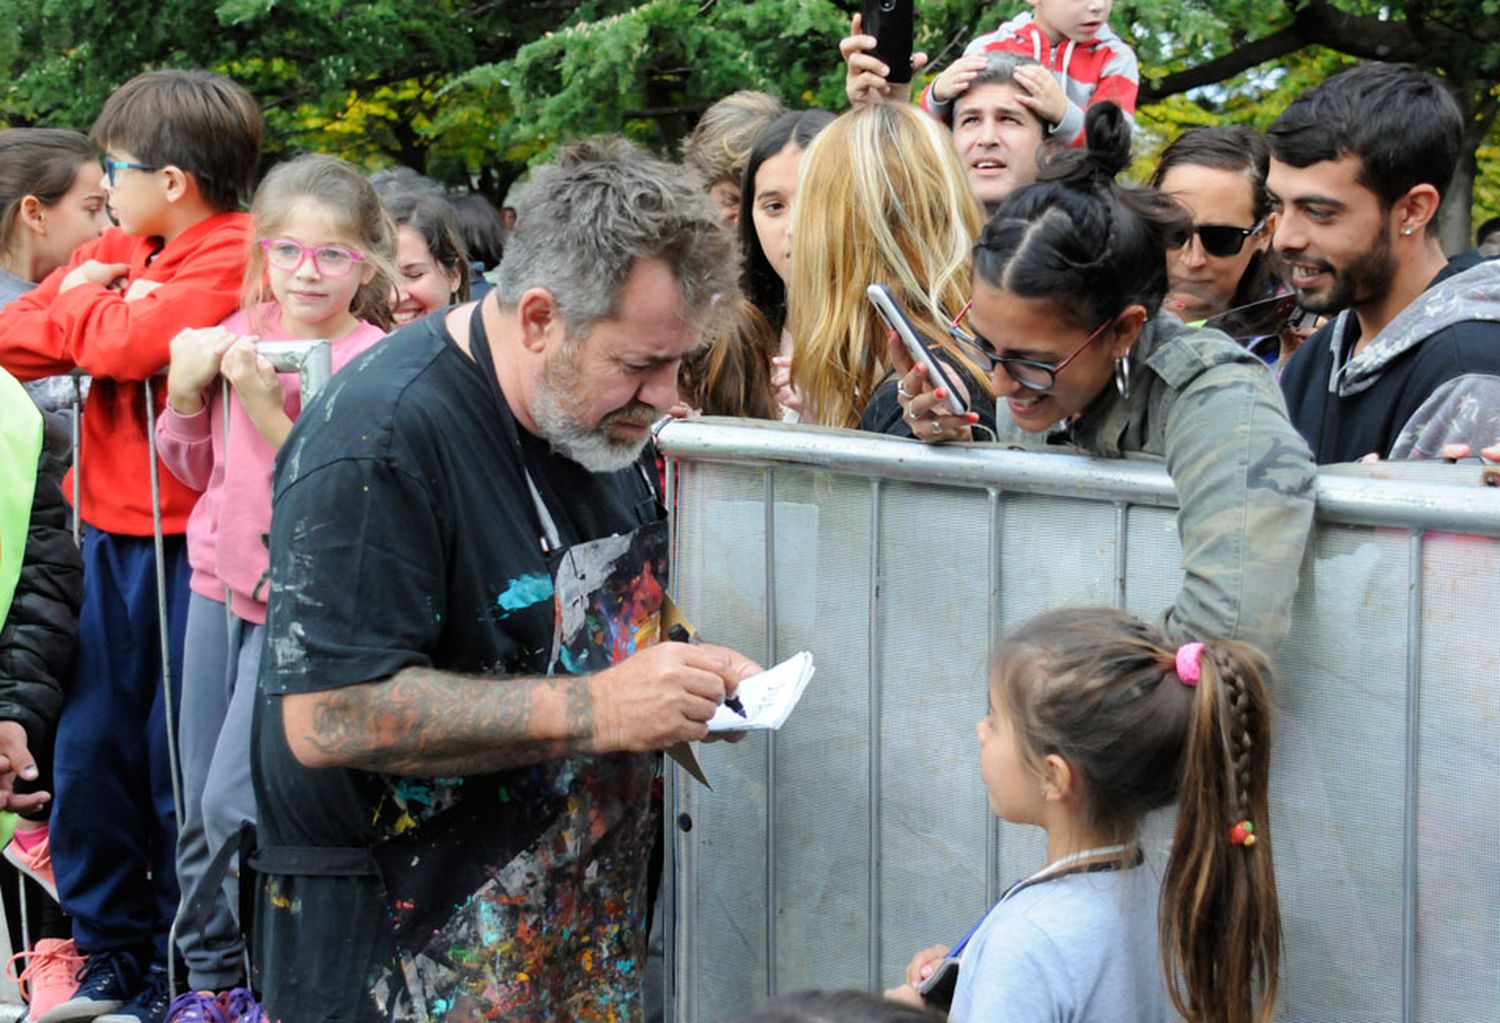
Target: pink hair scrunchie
(1187, 663)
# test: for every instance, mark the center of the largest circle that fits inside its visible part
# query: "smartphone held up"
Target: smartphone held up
(891, 22)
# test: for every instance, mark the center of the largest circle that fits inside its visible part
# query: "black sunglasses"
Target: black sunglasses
(1221, 240)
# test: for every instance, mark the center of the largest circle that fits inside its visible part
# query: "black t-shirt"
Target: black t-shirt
(404, 534)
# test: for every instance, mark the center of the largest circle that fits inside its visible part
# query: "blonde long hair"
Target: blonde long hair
(882, 198)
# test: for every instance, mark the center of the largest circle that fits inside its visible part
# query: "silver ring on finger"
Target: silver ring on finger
(902, 392)
(937, 429)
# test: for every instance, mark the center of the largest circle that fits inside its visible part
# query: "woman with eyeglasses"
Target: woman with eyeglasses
(1068, 283)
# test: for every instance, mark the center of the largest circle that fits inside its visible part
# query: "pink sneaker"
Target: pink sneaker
(50, 978)
(36, 864)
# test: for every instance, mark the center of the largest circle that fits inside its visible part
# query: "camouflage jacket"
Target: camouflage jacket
(1244, 477)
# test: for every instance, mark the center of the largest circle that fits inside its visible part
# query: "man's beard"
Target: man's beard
(1367, 276)
(555, 411)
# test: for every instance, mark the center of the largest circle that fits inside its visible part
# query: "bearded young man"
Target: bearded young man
(463, 693)
(1410, 361)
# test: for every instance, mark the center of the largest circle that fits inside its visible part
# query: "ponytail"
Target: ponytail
(1143, 723)
(1220, 923)
(1079, 239)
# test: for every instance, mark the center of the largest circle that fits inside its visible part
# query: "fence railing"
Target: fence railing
(830, 851)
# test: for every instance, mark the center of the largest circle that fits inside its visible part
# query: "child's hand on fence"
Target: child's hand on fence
(255, 381)
(1042, 95)
(196, 354)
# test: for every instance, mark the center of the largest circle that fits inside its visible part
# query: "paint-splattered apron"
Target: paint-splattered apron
(528, 901)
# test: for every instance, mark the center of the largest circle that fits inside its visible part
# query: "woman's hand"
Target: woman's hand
(865, 74)
(781, 381)
(924, 404)
(196, 354)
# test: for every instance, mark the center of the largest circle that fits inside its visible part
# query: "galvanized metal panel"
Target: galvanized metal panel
(875, 839)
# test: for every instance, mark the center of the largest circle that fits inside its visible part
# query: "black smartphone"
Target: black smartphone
(891, 22)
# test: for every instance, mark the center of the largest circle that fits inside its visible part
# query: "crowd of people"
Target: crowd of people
(357, 715)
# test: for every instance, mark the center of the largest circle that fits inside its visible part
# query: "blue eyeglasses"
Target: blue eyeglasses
(113, 166)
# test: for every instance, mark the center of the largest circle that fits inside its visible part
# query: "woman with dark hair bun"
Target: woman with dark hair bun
(1069, 277)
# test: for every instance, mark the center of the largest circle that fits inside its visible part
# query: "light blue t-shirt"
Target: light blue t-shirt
(1077, 949)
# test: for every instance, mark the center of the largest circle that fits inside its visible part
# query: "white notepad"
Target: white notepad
(768, 698)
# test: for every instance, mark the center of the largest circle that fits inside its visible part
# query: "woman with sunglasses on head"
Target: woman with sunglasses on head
(1069, 278)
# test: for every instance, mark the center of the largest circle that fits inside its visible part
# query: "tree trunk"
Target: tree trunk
(1477, 102)
(1454, 216)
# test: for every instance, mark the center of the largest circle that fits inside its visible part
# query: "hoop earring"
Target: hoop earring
(1122, 376)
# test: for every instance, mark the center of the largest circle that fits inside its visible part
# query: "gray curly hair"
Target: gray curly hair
(601, 206)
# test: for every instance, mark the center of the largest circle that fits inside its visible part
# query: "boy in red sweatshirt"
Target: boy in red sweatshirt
(181, 150)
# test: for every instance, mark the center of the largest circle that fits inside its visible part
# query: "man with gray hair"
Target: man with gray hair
(463, 695)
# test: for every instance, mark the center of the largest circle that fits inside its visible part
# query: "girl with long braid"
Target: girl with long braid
(1095, 719)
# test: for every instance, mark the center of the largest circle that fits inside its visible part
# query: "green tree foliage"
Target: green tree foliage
(473, 91)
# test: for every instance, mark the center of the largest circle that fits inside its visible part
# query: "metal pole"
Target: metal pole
(872, 653)
(164, 630)
(1122, 537)
(770, 499)
(991, 631)
(1410, 796)
(672, 794)
(163, 625)
(312, 361)
(77, 376)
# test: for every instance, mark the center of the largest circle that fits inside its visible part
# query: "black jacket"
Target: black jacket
(41, 630)
(1431, 377)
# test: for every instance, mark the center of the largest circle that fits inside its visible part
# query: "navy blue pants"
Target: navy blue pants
(113, 830)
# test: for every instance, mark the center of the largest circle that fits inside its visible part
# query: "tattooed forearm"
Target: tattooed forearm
(427, 723)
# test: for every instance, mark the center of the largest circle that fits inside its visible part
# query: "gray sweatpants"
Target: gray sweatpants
(220, 662)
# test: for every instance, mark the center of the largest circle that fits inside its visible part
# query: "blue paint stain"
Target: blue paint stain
(574, 665)
(524, 591)
(408, 793)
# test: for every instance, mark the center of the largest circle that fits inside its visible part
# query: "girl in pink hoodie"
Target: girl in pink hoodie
(320, 268)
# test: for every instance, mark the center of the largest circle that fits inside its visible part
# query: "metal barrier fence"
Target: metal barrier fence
(832, 850)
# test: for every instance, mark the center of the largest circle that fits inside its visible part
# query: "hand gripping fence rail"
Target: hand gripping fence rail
(827, 853)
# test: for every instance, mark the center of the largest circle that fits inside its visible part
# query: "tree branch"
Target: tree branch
(1243, 58)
